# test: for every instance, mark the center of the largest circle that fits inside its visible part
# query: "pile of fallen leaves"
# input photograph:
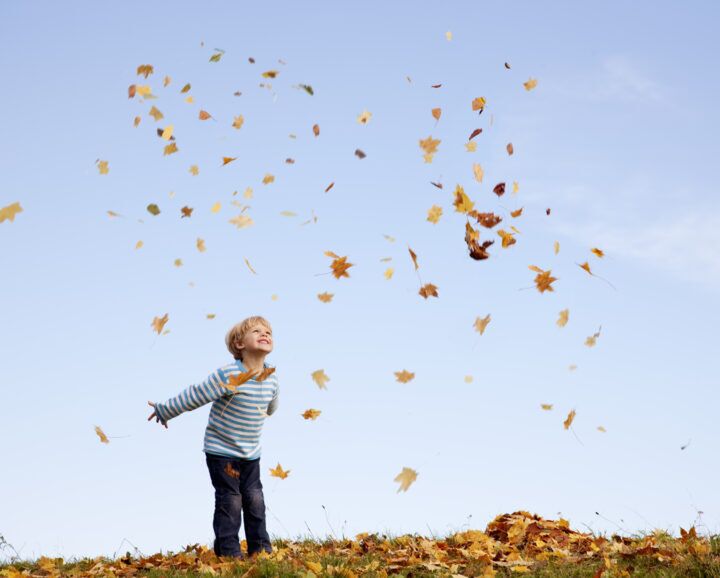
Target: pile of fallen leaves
(519, 542)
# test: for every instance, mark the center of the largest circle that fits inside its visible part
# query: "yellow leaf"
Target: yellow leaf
(429, 146)
(462, 202)
(568, 421)
(166, 81)
(530, 84)
(210, 316)
(311, 413)
(250, 266)
(601, 428)
(389, 273)
(591, 341)
(448, 36)
(274, 297)
(404, 376)
(168, 132)
(325, 297)
(270, 73)
(288, 214)
(556, 247)
(468, 379)
(156, 114)
(315, 567)
(546, 406)
(563, 318)
(144, 90)
(364, 117)
(201, 245)
(194, 170)
(478, 172)
(268, 178)
(215, 208)
(586, 266)
(481, 323)
(138, 245)
(406, 477)
(145, 69)
(159, 322)
(434, 214)
(516, 213)
(248, 193)
(278, 472)
(320, 378)
(597, 252)
(478, 103)
(241, 221)
(238, 121)
(178, 262)
(516, 187)
(471, 146)
(170, 149)
(136, 121)
(189, 99)
(507, 238)
(103, 438)
(103, 167)
(185, 88)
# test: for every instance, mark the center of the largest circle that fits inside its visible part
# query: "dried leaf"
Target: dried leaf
(478, 103)
(204, 115)
(320, 378)
(414, 258)
(186, 212)
(311, 413)
(364, 117)
(563, 318)
(405, 478)
(200, 243)
(170, 149)
(428, 290)
(530, 84)
(153, 209)
(474, 133)
(330, 186)
(404, 376)
(568, 421)
(102, 166)
(145, 69)
(325, 297)
(250, 267)
(226, 160)
(478, 172)
(434, 214)
(278, 472)
(159, 322)
(268, 178)
(103, 438)
(509, 148)
(155, 113)
(360, 154)
(481, 323)
(238, 121)
(316, 129)
(499, 189)
(436, 112)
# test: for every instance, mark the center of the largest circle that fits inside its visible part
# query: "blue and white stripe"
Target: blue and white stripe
(236, 416)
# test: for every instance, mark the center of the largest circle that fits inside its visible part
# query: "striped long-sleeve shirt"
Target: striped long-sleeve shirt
(237, 414)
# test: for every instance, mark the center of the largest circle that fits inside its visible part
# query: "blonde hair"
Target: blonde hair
(239, 330)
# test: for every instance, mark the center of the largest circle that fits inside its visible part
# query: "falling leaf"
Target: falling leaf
(474, 133)
(194, 170)
(516, 187)
(311, 413)
(530, 84)
(204, 115)
(210, 316)
(546, 406)
(516, 213)
(429, 146)
(448, 36)
(270, 74)
(307, 88)
(507, 66)
(226, 160)
(330, 186)
(468, 379)
(434, 214)
(178, 262)
(316, 129)
(507, 238)
(436, 112)
(238, 121)
(278, 472)
(325, 297)
(170, 149)
(145, 69)
(543, 279)
(268, 178)
(572, 367)
(556, 247)
(389, 273)
(462, 202)
(250, 267)
(602, 429)
(241, 221)
(597, 252)
(185, 88)
(586, 266)
(140, 90)
(320, 378)
(167, 132)
(435, 85)
(404, 376)
(216, 57)
(103, 168)
(481, 323)
(339, 265)
(360, 154)
(232, 472)
(201, 245)
(509, 148)
(499, 189)
(156, 114)
(478, 172)
(166, 81)
(153, 209)
(428, 290)
(290, 161)
(471, 146)
(186, 212)
(413, 256)
(405, 478)
(478, 103)
(477, 251)
(103, 438)
(563, 318)
(364, 117)
(235, 380)
(568, 421)
(547, 211)
(592, 340)
(138, 245)
(288, 214)
(189, 99)
(136, 121)
(159, 322)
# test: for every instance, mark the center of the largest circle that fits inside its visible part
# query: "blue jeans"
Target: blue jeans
(237, 492)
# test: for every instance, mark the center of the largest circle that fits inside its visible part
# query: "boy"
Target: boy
(232, 435)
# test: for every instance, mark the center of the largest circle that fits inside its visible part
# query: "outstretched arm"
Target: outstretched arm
(273, 405)
(191, 398)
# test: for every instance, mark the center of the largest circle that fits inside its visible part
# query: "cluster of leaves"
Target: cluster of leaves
(517, 543)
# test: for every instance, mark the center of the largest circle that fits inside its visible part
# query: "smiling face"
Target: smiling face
(258, 338)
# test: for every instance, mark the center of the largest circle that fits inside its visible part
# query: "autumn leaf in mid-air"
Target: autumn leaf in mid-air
(185, 88)
(250, 267)
(510, 149)
(103, 438)
(167, 132)
(10, 211)
(568, 421)
(477, 251)
(325, 297)
(429, 147)
(478, 172)
(413, 256)
(237, 379)
(241, 221)
(278, 472)
(389, 273)
(563, 318)
(428, 290)
(543, 279)
(268, 178)
(145, 69)
(159, 322)
(597, 252)
(556, 247)
(186, 212)
(471, 146)
(478, 103)
(153, 209)
(516, 213)
(481, 323)
(227, 160)
(364, 117)
(406, 477)
(204, 115)
(156, 114)
(404, 376)
(434, 214)
(462, 202)
(320, 378)
(238, 121)
(546, 406)
(507, 238)
(530, 84)
(592, 340)
(311, 413)
(487, 220)
(316, 129)
(436, 112)
(102, 167)
(201, 245)
(339, 265)
(194, 170)
(215, 209)
(217, 56)
(499, 189)
(170, 149)
(360, 154)
(270, 74)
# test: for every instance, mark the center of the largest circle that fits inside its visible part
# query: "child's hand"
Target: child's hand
(154, 414)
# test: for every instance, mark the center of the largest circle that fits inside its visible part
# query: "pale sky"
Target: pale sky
(617, 139)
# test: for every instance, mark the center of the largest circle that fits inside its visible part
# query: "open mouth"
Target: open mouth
(264, 341)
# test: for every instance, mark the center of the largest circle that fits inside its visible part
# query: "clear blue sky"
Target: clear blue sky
(618, 139)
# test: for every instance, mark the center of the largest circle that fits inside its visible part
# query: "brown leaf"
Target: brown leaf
(510, 149)
(414, 258)
(499, 189)
(186, 212)
(474, 133)
(477, 251)
(428, 290)
(330, 186)
(360, 154)
(203, 115)
(316, 129)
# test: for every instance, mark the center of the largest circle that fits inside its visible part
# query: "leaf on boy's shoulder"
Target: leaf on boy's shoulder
(238, 379)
